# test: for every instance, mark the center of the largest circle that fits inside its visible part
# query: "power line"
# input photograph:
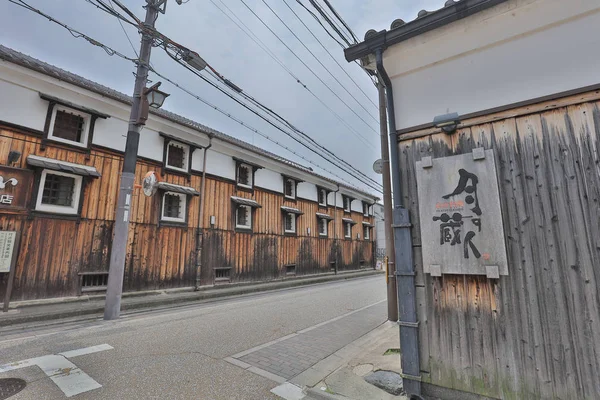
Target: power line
(111, 51)
(125, 32)
(261, 44)
(328, 52)
(329, 22)
(319, 61)
(341, 20)
(310, 69)
(337, 24)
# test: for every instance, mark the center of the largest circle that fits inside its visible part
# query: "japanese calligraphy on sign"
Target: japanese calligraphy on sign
(7, 245)
(460, 215)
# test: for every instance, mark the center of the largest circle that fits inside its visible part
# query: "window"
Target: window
(244, 175)
(243, 217)
(322, 197)
(322, 226)
(174, 207)
(347, 201)
(58, 192)
(365, 209)
(289, 188)
(177, 156)
(366, 232)
(348, 230)
(289, 220)
(69, 126)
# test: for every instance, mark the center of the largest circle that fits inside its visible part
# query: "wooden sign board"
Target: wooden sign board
(15, 187)
(460, 215)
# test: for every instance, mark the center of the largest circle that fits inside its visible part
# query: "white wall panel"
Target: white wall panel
(307, 191)
(220, 164)
(268, 179)
(22, 106)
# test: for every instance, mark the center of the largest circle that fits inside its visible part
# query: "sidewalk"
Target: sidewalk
(93, 306)
(341, 376)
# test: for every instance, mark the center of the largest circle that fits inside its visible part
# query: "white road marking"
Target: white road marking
(66, 375)
(288, 391)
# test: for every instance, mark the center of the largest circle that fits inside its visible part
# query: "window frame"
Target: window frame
(187, 156)
(183, 208)
(366, 232)
(349, 199)
(319, 191)
(366, 208)
(294, 230)
(294, 182)
(54, 209)
(326, 225)
(250, 185)
(85, 135)
(347, 235)
(250, 217)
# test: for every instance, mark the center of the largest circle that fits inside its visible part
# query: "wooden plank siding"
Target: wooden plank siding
(56, 249)
(534, 334)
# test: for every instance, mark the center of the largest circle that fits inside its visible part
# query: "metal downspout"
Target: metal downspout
(335, 228)
(200, 230)
(405, 273)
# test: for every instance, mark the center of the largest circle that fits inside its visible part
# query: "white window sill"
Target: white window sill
(66, 141)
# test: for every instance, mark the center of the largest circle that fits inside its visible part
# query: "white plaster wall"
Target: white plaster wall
(356, 205)
(518, 51)
(267, 179)
(220, 164)
(307, 190)
(22, 106)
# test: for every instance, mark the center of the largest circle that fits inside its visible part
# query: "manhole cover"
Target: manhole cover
(11, 386)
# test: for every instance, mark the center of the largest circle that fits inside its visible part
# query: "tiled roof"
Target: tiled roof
(34, 64)
(399, 31)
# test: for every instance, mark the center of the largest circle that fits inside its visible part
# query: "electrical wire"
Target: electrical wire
(321, 23)
(328, 52)
(311, 70)
(319, 61)
(112, 52)
(341, 20)
(125, 32)
(317, 7)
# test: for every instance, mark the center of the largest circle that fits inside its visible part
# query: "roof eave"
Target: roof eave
(421, 25)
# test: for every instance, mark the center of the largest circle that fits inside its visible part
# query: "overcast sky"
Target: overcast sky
(201, 26)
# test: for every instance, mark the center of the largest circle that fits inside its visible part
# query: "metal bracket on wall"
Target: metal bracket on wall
(411, 377)
(402, 225)
(409, 273)
(409, 324)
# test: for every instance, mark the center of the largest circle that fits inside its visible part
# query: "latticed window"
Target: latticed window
(322, 226)
(365, 209)
(366, 232)
(172, 206)
(290, 222)
(347, 229)
(346, 204)
(243, 217)
(290, 188)
(243, 176)
(58, 190)
(68, 126)
(176, 156)
(322, 197)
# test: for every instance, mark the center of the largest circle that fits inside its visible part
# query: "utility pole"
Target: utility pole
(112, 307)
(392, 297)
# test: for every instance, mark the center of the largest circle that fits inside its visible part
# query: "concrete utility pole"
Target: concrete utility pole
(112, 307)
(392, 298)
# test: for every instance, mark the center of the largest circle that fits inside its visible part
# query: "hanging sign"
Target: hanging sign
(15, 186)
(460, 215)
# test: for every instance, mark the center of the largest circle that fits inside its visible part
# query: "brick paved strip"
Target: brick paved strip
(289, 357)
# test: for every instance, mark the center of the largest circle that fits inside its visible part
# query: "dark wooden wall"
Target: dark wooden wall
(56, 249)
(534, 334)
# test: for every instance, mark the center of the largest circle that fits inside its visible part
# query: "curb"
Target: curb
(165, 300)
(319, 394)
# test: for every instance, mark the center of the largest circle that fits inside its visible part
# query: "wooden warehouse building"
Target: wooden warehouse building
(62, 139)
(503, 196)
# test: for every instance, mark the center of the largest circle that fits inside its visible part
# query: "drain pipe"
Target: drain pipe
(200, 229)
(405, 272)
(335, 229)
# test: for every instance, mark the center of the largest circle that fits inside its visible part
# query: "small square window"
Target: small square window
(290, 188)
(244, 175)
(322, 195)
(322, 227)
(174, 207)
(347, 230)
(243, 217)
(366, 232)
(69, 126)
(59, 192)
(290, 222)
(177, 156)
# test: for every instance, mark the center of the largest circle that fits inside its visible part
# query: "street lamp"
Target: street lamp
(155, 97)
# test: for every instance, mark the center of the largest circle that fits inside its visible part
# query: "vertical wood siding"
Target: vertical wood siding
(55, 250)
(534, 334)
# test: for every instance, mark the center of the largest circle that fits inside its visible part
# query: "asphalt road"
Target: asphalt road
(179, 353)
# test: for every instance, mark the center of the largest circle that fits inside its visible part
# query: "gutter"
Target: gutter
(453, 11)
(335, 228)
(405, 272)
(200, 228)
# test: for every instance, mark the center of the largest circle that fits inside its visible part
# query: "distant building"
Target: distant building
(62, 139)
(518, 317)
(379, 221)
